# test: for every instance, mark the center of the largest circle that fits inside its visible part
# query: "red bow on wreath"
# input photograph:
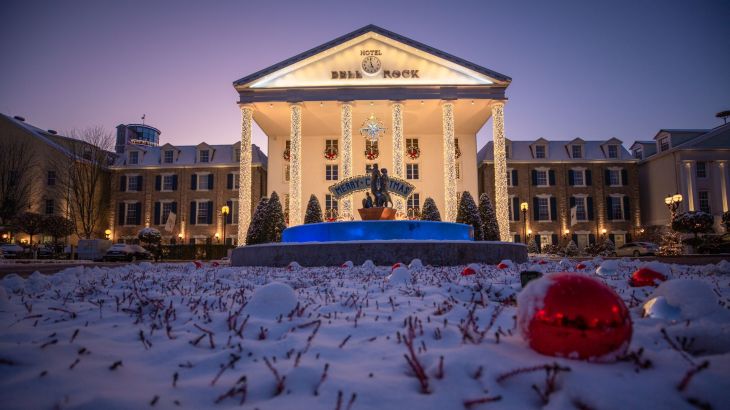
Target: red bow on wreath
(330, 153)
(413, 151)
(287, 154)
(371, 153)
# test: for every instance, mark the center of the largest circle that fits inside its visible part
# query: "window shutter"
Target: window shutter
(612, 237)
(551, 177)
(157, 213)
(229, 181)
(121, 213)
(194, 182)
(140, 187)
(174, 182)
(518, 239)
(571, 178)
(229, 217)
(574, 238)
(589, 180)
(193, 213)
(123, 183)
(591, 239)
(624, 177)
(138, 221)
(537, 241)
(534, 177)
(514, 177)
(173, 208)
(555, 239)
(158, 182)
(535, 212)
(609, 205)
(210, 210)
(607, 177)
(516, 208)
(572, 201)
(553, 208)
(626, 209)
(210, 181)
(589, 205)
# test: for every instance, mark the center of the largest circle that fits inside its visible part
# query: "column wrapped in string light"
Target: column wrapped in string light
(501, 197)
(346, 125)
(244, 175)
(295, 161)
(447, 118)
(398, 149)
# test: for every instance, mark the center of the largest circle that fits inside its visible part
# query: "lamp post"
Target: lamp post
(225, 211)
(523, 208)
(672, 202)
(107, 233)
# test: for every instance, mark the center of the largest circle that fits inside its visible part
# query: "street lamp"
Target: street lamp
(673, 202)
(108, 233)
(523, 207)
(225, 211)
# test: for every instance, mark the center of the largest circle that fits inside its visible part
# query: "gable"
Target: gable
(372, 57)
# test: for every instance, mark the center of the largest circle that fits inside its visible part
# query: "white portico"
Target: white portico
(429, 106)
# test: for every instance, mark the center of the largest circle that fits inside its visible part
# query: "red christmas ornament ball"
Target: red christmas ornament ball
(580, 266)
(646, 277)
(572, 315)
(198, 264)
(542, 262)
(468, 271)
(396, 266)
(502, 265)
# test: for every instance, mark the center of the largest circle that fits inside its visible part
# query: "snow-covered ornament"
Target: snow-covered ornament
(502, 265)
(198, 264)
(607, 268)
(470, 269)
(215, 264)
(347, 265)
(659, 308)
(396, 266)
(271, 300)
(575, 316)
(400, 275)
(293, 265)
(581, 266)
(646, 277)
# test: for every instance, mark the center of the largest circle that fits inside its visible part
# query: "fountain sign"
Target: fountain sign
(358, 183)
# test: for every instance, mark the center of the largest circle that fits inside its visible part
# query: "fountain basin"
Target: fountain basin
(378, 231)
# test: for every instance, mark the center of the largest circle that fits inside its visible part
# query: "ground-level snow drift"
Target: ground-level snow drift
(173, 336)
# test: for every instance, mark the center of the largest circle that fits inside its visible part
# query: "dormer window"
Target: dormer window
(663, 144)
(613, 151)
(133, 158)
(576, 151)
(236, 155)
(204, 155)
(539, 151)
(168, 156)
(638, 154)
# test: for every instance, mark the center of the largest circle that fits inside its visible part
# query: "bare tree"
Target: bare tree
(86, 178)
(17, 167)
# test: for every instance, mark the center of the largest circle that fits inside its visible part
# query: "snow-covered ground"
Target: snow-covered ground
(169, 336)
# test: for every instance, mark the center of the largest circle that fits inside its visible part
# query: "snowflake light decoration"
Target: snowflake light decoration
(372, 128)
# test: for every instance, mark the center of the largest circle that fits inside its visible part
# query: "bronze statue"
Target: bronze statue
(384, 180)
(367, 202)
(379, 186)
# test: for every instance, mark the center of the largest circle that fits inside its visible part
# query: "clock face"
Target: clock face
(371, 64)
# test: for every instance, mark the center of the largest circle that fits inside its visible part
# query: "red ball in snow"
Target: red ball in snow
(572, 315)
(646, 277)
(542, 262)
(214, 264)
(198, 264)
(468, 271)
(580, 266)
(396, 266)
(502, 265)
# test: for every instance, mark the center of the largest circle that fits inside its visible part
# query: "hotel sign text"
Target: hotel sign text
(358, 183)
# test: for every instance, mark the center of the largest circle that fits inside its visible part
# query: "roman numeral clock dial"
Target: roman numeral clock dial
(371, 65)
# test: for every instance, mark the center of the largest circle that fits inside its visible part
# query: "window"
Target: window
(613, 151)
(510, 207)
(166, 209)
(542, 178)
(510, 183)
(576, 151)
(236, 155)
(704, 197)
(581, 240)
(51, 178)
(204, 155)
(203, 184)
(131, 215)
(236, 180)
(617, 208)
(539, 151)
(330, 144)
(664, 144)
(167, 182)
(133, 157)
(233, 217)
(614, 177)
(168, 156)
(411, 142)
(579, 177)
(638, 154)
(411, 171)
(331, 172)
(543, 209)
(202, 213)
(619, 239)
(371, 145)
(701, 169)
(133, 183)
(457, 169)
(580, 209)
(287, 172)
(50, 206)
(368, 168)
(330, 207)
(413, 205)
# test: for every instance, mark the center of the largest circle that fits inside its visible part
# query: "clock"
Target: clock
(371, 65)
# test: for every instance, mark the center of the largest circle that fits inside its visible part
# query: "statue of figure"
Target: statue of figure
(367, 202)
(375, 185)
(384, 180)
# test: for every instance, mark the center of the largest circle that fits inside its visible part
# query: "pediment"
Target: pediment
(372, 57)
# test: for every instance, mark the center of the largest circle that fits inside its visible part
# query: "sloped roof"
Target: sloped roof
(381, 31)
(187, 156)
(520, 151)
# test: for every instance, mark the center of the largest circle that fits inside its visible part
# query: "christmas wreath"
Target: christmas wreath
(372, 153)
(457, 152)
(287, 154)
(330, 153)
(413, 151)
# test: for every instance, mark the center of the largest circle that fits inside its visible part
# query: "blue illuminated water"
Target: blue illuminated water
(378, 230)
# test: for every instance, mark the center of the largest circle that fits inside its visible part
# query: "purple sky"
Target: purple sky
(580, 69)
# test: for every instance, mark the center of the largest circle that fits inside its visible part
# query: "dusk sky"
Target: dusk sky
(593, 70)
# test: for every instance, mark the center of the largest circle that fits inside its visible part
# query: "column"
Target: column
(447, 118)
(398, 169)
(501, 200)
(295, 164)
(723, 184)
(690, 187)
(346, 162)
(244, 175)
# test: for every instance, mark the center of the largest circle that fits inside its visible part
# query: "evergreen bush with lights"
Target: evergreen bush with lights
(276, 222)
(257, 227)
(469, 214)
(490, 228)
(430, 212)
(314, 211)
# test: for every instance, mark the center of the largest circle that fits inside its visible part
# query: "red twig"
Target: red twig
(321, 379)
(473, 402)
(691, 373)
(280, 380)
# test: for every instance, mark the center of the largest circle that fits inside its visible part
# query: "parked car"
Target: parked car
(715, 244)
(11, 250)
(637, 249)
(124, 252)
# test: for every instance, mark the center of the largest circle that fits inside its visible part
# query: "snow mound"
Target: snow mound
(227, 273)
(368, 264)
(4, 300)
(271, 300)
(723, 266)
(659, 267)
(507, 262)
(415, 264)
(348, 264)
(37, 282)
(13, 282)
(696, 299)
(400, 276)
(607, 268)
(294, 265)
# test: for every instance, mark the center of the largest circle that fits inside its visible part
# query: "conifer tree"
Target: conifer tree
(430, 212)
(276, 223)
(532, 246)
(469, 214)
(257, 228)
(490, 228)
(314, 211)
(571, 249)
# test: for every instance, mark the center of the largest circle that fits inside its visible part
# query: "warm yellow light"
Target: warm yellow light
(5, 236)
(567, 231)
(108, 232)
(529, 231)
(180, 235)
(523, 206)
(217, 235)
(603, 231)
(668, 200)
(677, 198)
(225, 210)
